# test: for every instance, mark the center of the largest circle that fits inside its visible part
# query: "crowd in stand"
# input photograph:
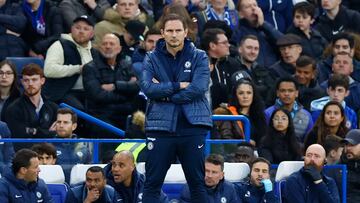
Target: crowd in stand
(291, 67)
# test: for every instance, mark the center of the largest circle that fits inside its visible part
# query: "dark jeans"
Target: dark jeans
(162, 151)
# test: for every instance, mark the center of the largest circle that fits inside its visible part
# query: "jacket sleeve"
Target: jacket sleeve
(185, 195)
(272, 33)
(100, 8)
(56, 28)
(4, 192)
(8, 147)
(93, 87)
(45, 192)
(198, 85)
(15, 120)
(70, 197)
(293, 192)
(328, 192)
(15, 22)
(155, 90)
(54, 63)
(233, 198)
(270, 197)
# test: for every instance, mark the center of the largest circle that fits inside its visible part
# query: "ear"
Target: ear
(42, 80)
(74, 126)
(162, 33)
(212, 45)
(347, 93)
(328, 90)
(312, 21)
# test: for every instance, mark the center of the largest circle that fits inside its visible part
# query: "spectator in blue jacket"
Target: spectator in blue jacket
(122, 175)
(310, 185)
(217, 188)
(6, 148)
(94, 190)
(338, 90)
(20, 183)
(277, 13)
(259, 188)
(252, 22)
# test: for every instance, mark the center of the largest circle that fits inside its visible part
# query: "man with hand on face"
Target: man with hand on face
(218, 189)
(310, 184)
(259, 188)
(93, 190)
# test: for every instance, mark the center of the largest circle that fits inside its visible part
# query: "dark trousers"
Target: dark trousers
(162, 151)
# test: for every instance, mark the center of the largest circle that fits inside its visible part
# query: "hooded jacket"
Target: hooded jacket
(15, 190)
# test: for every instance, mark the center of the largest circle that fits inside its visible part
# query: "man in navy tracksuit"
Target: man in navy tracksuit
(121, 174)
(94, 190)
(310, 185)
(20, 183)
(175, 79)
(259, 189)
(218, 189)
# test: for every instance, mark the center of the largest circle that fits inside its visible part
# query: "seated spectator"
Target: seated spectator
(259, 188)
(248, 50)
(6, 148)
(312, 42)
(305, 75)
(21, 183)
(12, 24)
(277, 13)
(122, 175)
(310, 184)
(351, 157)
(338, 90)
(110, 86)
(150, 39)
(31, 115)
(129, 40)
(93, 190)
(334, 149)
(217, 188)
(343, 65)
(352, 4)
(342, 42)
(332, 121)
(44, 26)
(9, 88)
(287, 90)
(290, 48)
(64, 64)
(244, 153)
(116, 18)
(70, 9)
(216, 10)
(216, 45)
(337, 18)
(252, 22)
(46, 153)
(280, 143)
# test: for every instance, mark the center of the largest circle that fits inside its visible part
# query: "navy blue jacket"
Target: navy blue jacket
(13, 190)
(166, 97)
(247, 193)
(78, 194)
(267, 36)
(223, 192)
(277, 13)
(6, 148)
(136, 188)
(301, 189)
(325, 70)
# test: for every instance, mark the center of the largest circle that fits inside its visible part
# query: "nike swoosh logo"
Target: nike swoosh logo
(199, 146)
(118, 200)
(18, 196)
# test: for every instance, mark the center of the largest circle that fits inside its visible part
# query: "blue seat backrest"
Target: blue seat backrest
(58, 192)
(173, 191)
(20, 62)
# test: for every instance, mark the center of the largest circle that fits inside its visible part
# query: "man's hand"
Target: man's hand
(184, 85)
(33, 54)
(92, 195)
(91, 3)
(313, 173)
(53, 127)
(260, 16)
(108, 87)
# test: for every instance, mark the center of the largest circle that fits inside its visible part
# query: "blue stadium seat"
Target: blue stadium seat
(58, 192)
(20, 62)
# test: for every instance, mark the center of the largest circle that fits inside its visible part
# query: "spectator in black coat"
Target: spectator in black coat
(12, 24)
(280, 143)
(44, 26)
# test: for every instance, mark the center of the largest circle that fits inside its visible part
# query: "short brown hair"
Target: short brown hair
(216, 159)
(173, 16)
(32, 69)
(68, 111)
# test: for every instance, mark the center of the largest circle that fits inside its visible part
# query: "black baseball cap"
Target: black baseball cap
(352, 137)
(86, 19)
(136, 29)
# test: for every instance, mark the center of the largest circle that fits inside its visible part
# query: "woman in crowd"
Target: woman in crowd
(280, 143)
(332, 121)
(9, 88)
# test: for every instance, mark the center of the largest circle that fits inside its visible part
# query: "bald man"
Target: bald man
(310, 184)
(110, 84)
(121, 174)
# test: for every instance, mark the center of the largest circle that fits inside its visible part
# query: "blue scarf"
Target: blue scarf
(295, 108)
(36, 17)
(229, 18)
